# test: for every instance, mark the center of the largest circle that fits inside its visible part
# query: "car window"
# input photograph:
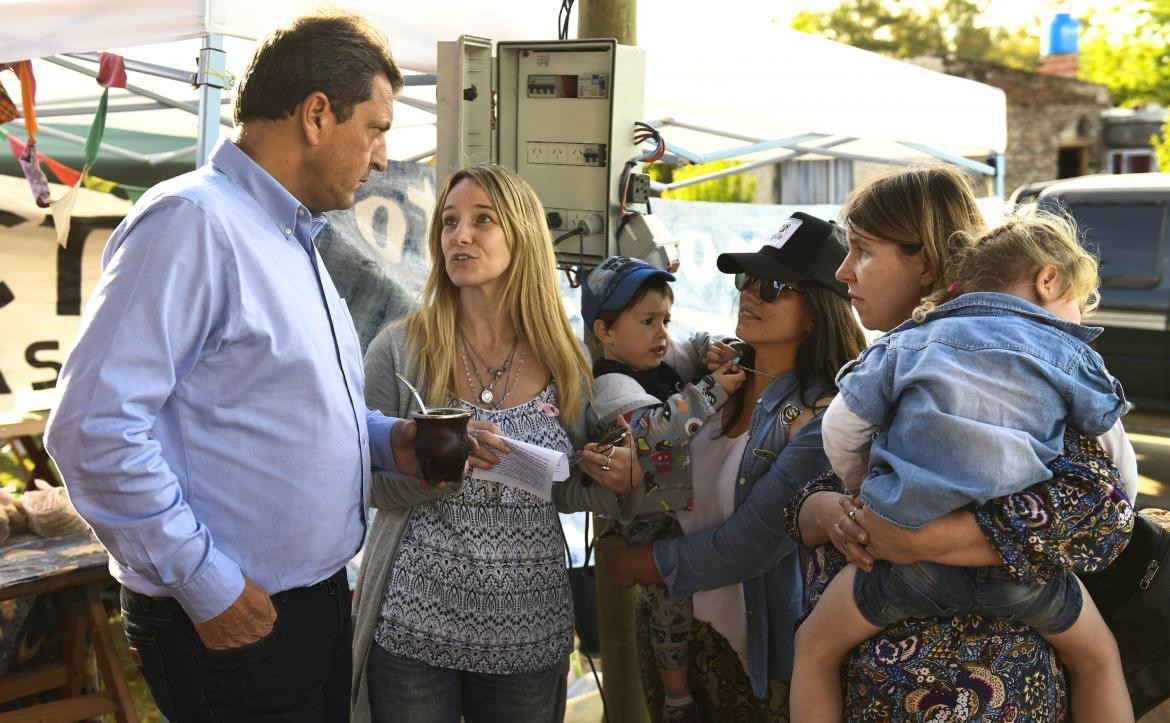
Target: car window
(1127, 237)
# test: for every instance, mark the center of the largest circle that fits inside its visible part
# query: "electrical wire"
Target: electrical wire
(642, 132)
(579, 231)
(585, 648)
(563, 19)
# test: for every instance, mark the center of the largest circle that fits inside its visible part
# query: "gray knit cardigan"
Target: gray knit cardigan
(394, 497)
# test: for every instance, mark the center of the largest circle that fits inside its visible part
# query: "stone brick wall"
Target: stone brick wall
(1044, 114)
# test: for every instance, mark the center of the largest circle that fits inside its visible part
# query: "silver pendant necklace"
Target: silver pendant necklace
(487, 391)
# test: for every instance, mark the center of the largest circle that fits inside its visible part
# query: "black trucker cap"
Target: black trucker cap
(805, 248)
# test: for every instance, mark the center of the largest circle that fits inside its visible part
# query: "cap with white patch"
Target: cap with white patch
(804, 248)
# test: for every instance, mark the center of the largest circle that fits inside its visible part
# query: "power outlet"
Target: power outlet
(639, 188)
(537, 152)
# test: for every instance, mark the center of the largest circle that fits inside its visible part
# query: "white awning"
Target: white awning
(740, 72)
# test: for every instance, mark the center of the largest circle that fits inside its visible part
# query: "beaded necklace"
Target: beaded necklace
(487, 391)
(486, 396)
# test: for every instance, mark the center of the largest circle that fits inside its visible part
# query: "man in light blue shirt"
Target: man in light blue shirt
(212, 427)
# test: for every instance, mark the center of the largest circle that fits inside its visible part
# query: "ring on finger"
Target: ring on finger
(475, 434)
(845, 546)
(853, 514)
(605, 467)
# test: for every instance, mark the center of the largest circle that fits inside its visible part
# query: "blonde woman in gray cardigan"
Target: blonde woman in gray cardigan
(462, 604)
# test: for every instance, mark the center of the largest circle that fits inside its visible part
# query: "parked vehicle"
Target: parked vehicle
(1124, 220)
(1029, 192)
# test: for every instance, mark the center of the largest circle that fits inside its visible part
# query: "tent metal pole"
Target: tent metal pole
(212, 79)
(958, 160)
(137, 90)
(88, 109)
(1000, 162)
(424, 79)
(419, 156)
(183, 76)
(656, 186)
(105, 147)
(744, 150)
(796, 152)
(426, 105)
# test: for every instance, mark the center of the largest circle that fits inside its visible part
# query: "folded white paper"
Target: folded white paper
(528, 467)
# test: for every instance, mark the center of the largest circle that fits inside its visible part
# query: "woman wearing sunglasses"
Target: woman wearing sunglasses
(746, 462)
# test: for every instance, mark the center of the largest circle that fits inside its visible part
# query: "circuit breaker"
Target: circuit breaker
(564, 120)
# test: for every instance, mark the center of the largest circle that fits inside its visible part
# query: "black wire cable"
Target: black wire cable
(563, 19)
(580, 230)
(584, 648)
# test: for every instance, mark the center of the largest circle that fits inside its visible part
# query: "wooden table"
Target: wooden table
(24, 427)
(75, 566)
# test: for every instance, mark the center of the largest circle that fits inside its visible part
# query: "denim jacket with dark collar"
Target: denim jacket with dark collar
(752, 547)
(972, 403)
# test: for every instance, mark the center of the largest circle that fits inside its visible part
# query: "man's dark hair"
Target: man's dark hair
(337, 54)
(654, 283)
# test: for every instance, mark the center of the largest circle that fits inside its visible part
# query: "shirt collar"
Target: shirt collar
(974, 301)
(291, 217)
(780, 389)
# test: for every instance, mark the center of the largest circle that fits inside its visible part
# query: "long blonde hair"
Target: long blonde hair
(530, 297)
(1013, 253)
(917, 208)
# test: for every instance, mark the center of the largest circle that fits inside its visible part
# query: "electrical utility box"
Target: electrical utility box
(564, 121)
(465, 92)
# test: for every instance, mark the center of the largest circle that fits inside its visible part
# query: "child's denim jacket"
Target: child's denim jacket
(973, 403)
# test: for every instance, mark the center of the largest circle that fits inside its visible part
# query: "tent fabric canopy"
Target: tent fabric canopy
(740, 72)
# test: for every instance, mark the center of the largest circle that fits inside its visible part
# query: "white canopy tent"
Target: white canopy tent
(725, 84)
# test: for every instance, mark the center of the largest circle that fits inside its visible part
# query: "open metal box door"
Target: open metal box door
(465, 91)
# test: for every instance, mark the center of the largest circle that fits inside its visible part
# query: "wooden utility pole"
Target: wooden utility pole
(615, 605)
(608, 19)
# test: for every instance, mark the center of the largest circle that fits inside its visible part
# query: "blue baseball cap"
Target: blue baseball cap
(613, 283)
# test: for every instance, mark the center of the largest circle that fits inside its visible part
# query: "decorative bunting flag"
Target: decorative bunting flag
(28, 96)
(8, 109)
(36, 177)
(111, 74)
(121, 190)
(29, 164)
(111, 71)
(63, 207)
(64, 173)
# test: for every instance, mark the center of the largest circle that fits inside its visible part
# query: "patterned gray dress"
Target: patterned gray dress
(479, 584)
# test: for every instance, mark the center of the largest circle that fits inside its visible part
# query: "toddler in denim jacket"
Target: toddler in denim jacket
(663, 389)
(966, 402)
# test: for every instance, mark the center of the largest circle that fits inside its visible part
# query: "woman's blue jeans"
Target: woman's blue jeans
(411, 691)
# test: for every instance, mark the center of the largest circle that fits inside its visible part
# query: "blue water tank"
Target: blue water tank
(1062, 34)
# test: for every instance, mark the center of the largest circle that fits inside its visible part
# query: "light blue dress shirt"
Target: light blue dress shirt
(212, 423)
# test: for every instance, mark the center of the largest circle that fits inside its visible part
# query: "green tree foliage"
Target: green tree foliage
(1161, 143)
(736, 188)
(905, 29)
(1135, 64)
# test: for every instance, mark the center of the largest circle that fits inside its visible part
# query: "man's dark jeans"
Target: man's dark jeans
(299, 672)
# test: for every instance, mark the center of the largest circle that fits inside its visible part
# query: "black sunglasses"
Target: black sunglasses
(615, 437)
(769, 289)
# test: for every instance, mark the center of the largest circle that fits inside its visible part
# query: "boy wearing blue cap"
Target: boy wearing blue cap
(665, 392)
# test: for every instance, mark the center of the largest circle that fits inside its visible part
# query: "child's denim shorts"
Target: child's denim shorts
(892, 593)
